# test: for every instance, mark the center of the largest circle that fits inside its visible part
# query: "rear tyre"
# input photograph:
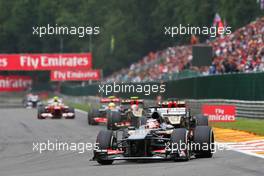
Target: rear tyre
(201, 120)
(112, 118)
(41, 110)
(179, 141)
(91, 120)
(91, 115)
(105, 141)
(204, 141)
(71, 110)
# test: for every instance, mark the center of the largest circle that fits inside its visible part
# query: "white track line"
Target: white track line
(232, 147)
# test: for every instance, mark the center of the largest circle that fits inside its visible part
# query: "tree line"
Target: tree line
(129, 29)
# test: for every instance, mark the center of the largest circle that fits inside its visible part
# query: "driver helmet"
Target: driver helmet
(111, 105)
(134, 107)
(152, 123)
(56, 99)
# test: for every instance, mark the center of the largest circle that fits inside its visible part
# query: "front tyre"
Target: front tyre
(179, 143)
(105, 141)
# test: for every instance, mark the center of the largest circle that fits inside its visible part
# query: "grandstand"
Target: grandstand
(241, 51)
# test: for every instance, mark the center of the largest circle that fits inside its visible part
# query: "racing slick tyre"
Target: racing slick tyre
(91, 115)
(105, 140)
(179, 142)
(91, 120)
(71, 110)
(41, 110)
(201, 120)
(112, 118)
(203, 141)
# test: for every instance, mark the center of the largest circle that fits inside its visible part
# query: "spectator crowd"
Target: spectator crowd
(241, 51)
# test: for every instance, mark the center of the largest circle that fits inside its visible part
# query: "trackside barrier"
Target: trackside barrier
(244, 90)
(93, 101)
(11, 99)
(240, 86)
(247, 109)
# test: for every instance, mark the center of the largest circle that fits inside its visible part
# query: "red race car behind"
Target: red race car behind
(56, 110)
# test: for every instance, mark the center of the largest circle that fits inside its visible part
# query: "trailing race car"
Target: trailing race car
(56, 109)
(168, 110)
(31, 101)
(97, 116)
(131, 110)
(158, 138)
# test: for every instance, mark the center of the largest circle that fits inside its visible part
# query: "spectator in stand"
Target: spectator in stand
(241, 51)
(194, 40)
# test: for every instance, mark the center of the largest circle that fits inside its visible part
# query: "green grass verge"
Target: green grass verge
(255, 126)
(84, 107)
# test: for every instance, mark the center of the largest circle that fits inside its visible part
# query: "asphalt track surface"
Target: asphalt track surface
(19, 128)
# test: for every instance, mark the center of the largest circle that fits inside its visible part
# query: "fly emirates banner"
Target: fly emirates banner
(28, 62)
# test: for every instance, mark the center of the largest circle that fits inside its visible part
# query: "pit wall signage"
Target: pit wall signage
(28, 62)
(219, 113)
(75, 75)
(14, 83)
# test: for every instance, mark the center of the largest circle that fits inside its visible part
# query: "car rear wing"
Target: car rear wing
(109, 100)
(131, 101)
(172, 104)
(168, 111)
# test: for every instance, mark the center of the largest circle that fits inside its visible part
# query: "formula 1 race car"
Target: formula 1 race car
(131, 110)
(31, 101)
(158, 138)
(97, 116)
(56, 110)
